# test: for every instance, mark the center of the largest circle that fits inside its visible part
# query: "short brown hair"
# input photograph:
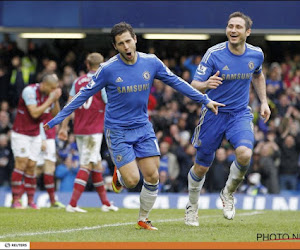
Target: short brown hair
(247, 19)
(94, 59)
(119, 29)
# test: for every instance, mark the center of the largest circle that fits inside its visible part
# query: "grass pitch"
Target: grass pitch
(56, 225)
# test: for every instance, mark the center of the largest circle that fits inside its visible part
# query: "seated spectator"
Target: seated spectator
(289, 169)
(269, 160)
(218, 173)
(6, 160)
(66, 173)
(253, 186)
(164, 185)
(168, 164)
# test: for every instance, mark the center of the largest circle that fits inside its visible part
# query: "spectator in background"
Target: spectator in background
(50, 67)
(6, 160)
(269, 162)
(289, 169)
(274, 82)
(253, 185)
(20, 77)
(66, 173)
(4, 82)
(217, 176)
(5, 125)
(192, 63)
(169, 165)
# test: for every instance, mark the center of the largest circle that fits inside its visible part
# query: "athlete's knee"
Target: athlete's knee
(200, 170)
(243, 155)
(152, 178)
(132, 181)
(87, 167)
(21, 163)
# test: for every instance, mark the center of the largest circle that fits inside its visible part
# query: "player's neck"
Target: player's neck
(237, 49)
(129, 62)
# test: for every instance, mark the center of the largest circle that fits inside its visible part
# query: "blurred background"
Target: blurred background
(55, 36)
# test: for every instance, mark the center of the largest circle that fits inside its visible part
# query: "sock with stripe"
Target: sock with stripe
(16, 184)
(99, 186)
(195, 184)
(30, 187)
(50, 187)
(148, 197)
(79, 185)
(236, 176)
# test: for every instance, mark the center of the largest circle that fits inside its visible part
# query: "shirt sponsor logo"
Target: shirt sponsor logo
(133, 88)
(238, 76)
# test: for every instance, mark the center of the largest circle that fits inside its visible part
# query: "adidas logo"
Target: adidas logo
(119, 79)
(226, 68)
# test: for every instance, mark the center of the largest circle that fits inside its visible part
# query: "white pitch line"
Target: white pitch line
(109, 225)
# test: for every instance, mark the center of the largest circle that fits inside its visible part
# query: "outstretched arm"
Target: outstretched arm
(75, 103)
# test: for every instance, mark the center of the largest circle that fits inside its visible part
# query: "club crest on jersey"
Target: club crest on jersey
(201, 69)
(91, 84)
(251, 65)
(146, 75)
(119, 158)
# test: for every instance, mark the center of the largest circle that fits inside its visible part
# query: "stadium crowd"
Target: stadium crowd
(275, 166)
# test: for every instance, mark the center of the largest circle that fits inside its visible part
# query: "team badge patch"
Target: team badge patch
(251, 65)
(119, 158)
(201, 69)
(146, 75)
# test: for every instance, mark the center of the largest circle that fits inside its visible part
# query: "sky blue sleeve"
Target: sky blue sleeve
(72, 90)
(164, 74)
(29, 96)
(95, 85)
(42, 132)
(104, 95)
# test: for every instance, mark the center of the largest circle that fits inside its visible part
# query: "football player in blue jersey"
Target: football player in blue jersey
(127, 79)
(225, 74)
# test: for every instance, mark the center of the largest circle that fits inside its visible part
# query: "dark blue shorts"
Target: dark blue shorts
(236, 127)
(125, 145)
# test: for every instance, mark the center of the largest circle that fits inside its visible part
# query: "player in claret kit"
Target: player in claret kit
(127, 79)
(25, 138)
(225, 73)
(88, 128)
(47, 160)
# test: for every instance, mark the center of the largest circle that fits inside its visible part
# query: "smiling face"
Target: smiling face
(125, 44)
(236, 31)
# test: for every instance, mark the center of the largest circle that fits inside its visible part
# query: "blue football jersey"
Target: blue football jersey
(128, 88)
(236, 71)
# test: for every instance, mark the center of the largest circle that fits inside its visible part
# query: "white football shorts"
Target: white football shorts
(26, 146)
(89, 148)
(49, 154)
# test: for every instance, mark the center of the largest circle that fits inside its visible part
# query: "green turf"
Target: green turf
(48, 225)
